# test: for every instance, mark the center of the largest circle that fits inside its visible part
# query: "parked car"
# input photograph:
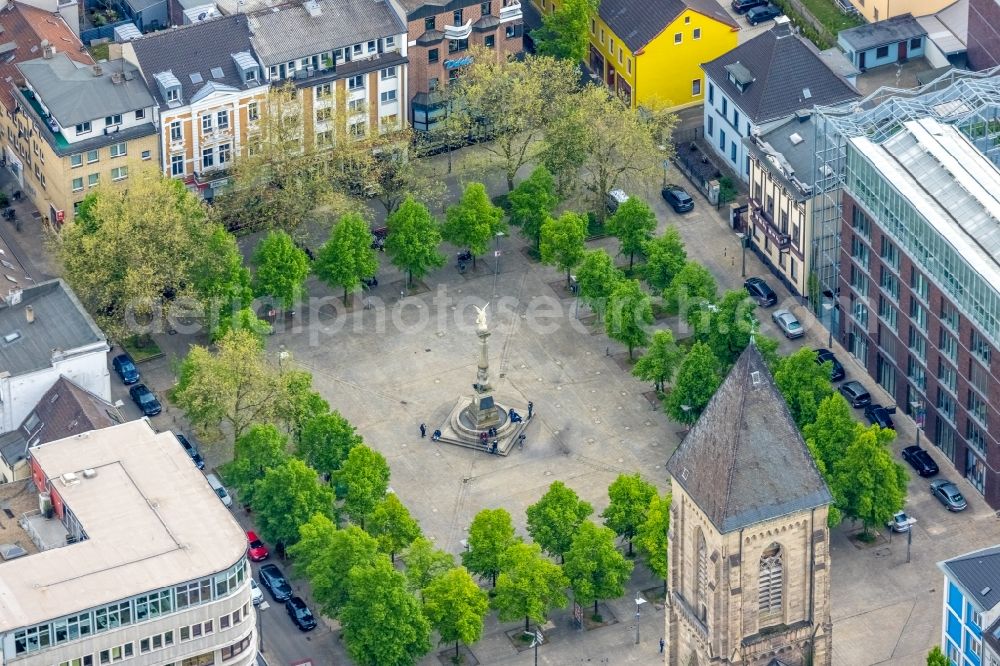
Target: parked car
(192, 450)
(879, 415)
(145, 400)
(743, 6)
(788, 324)
(948, 494)
(856, 393)
(678, 198)
(615, 198)
(256, 596)
(272, 580)
(124, 366)
(300, 614)
(900, 522)
(256, 550)
(920, 460)
(760, 292)
(219, 489)
(761, 14)
(824, 355)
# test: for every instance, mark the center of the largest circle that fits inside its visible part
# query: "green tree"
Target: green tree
(281, 269)
(234, 387)
(244, 319)
(630, 497)
(562, 242)
(413, 240)
(392, 525)
(660, 361)
(730, 324)
(697, 380)
(473, 221)
(565, 32)
(532, 202)
(134, 252)
(382, 623)
(304, 403)
(529, 585)
(286, 498)
(597, 277)
(222, 282)
(665, 257)
(633, 225)
(365, 474)
(692, 284)
(424, 563)
(936, 657)
(594, 567)
(651, 537)
(326, 555)
(831, 432)
(325, 442)
(629, 313)
(555, 518)
(456, 607)
(871, 485)
(804, 383)
(259, 449)
(490, 535)
(347, 257)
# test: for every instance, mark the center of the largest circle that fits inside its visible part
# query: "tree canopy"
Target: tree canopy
(651, 537)
(456, 607)
(281, 269)
(532, 202)
(731, 322)
(692, 284)
(594, 567)
(565, 31)
(869, 485)
(660, 362)
(261, 448)
(665, 257)
(804, 383)
(562, 241)
(325, 442)
(633, 225)
(326, 556)
(626, 512)
(490, 535)
(697, 380)
(629, 313)
(424, 563)
(365, 474)
(597, 276)
(413, 240)
(287, 497)
(529, 585)
(392, 525)
(473, 222)
(347, 256)
(554, 519)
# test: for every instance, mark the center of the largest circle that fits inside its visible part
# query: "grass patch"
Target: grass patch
(100, 51)
(827, 13)
(866, 537)
(142, 348)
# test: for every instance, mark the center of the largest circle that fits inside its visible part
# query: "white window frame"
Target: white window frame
(206, 123)
(114, 149)
(119, 173)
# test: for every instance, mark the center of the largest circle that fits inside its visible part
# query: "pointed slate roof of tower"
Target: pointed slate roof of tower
(744, 461)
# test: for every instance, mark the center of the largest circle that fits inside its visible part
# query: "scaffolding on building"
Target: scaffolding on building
(968, 100)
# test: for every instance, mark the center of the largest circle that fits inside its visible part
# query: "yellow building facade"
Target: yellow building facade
(658, 62)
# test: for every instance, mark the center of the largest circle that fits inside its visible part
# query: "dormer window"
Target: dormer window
(358, 48)
(83, 128)
(739, 76)
(116, 119)
(372, 46)
(390, 42)
(251, 74)
(173, 95)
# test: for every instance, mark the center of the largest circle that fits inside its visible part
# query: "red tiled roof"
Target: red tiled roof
(26, 27)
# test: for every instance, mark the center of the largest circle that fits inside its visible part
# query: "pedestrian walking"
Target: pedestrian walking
(661, 646)
(531, 408)
(423, 431)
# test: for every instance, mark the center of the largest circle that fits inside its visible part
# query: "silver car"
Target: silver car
(788, 324)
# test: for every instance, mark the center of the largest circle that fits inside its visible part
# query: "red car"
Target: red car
(257, 550)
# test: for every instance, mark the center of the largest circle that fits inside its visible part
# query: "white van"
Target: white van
(219, 489)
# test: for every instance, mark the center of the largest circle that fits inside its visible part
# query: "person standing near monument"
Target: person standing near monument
(423, 430)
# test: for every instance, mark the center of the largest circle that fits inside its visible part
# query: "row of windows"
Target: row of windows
(92, 156)
(94, 179)
(329, 59)
(123, 613)
(109, 121)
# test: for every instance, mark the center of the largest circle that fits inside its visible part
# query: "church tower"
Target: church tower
(749, 556)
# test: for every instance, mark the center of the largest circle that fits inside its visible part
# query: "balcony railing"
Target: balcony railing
(459, 32)
(511, 12)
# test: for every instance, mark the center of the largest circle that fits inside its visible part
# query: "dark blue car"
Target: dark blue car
(145, 400)
(124, 366)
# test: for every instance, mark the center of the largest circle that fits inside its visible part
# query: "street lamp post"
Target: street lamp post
(638, 602)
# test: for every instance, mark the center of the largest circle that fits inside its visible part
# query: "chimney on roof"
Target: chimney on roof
(29, 314)
(118, 77)
(97, 70)
(48, 51)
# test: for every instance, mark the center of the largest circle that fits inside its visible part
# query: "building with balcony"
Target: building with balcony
(761, 84)
(650, 52)
(970, 632)
(128, 555)
(76, 126)
(209, 88)
(918, 283)
(347, 59)
(439, 35)
(750, 557)
(782, 199)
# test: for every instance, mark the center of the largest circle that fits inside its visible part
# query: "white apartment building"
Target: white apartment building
(135, 560)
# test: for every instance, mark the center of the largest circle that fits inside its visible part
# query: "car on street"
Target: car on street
(219, 489)
(300, 614)
(856, 393)
(760, 292)
(761, 14)
(145, 400)
(920, 460)
(124, 366)
(743, 6)
(788, 324)
(614, 199)
(272, 580)
(191, 450)
(879, 415)
(900, 522)
(678, 198)
(824, 355)
(256, 550)
(256, 596)
(948, 494)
